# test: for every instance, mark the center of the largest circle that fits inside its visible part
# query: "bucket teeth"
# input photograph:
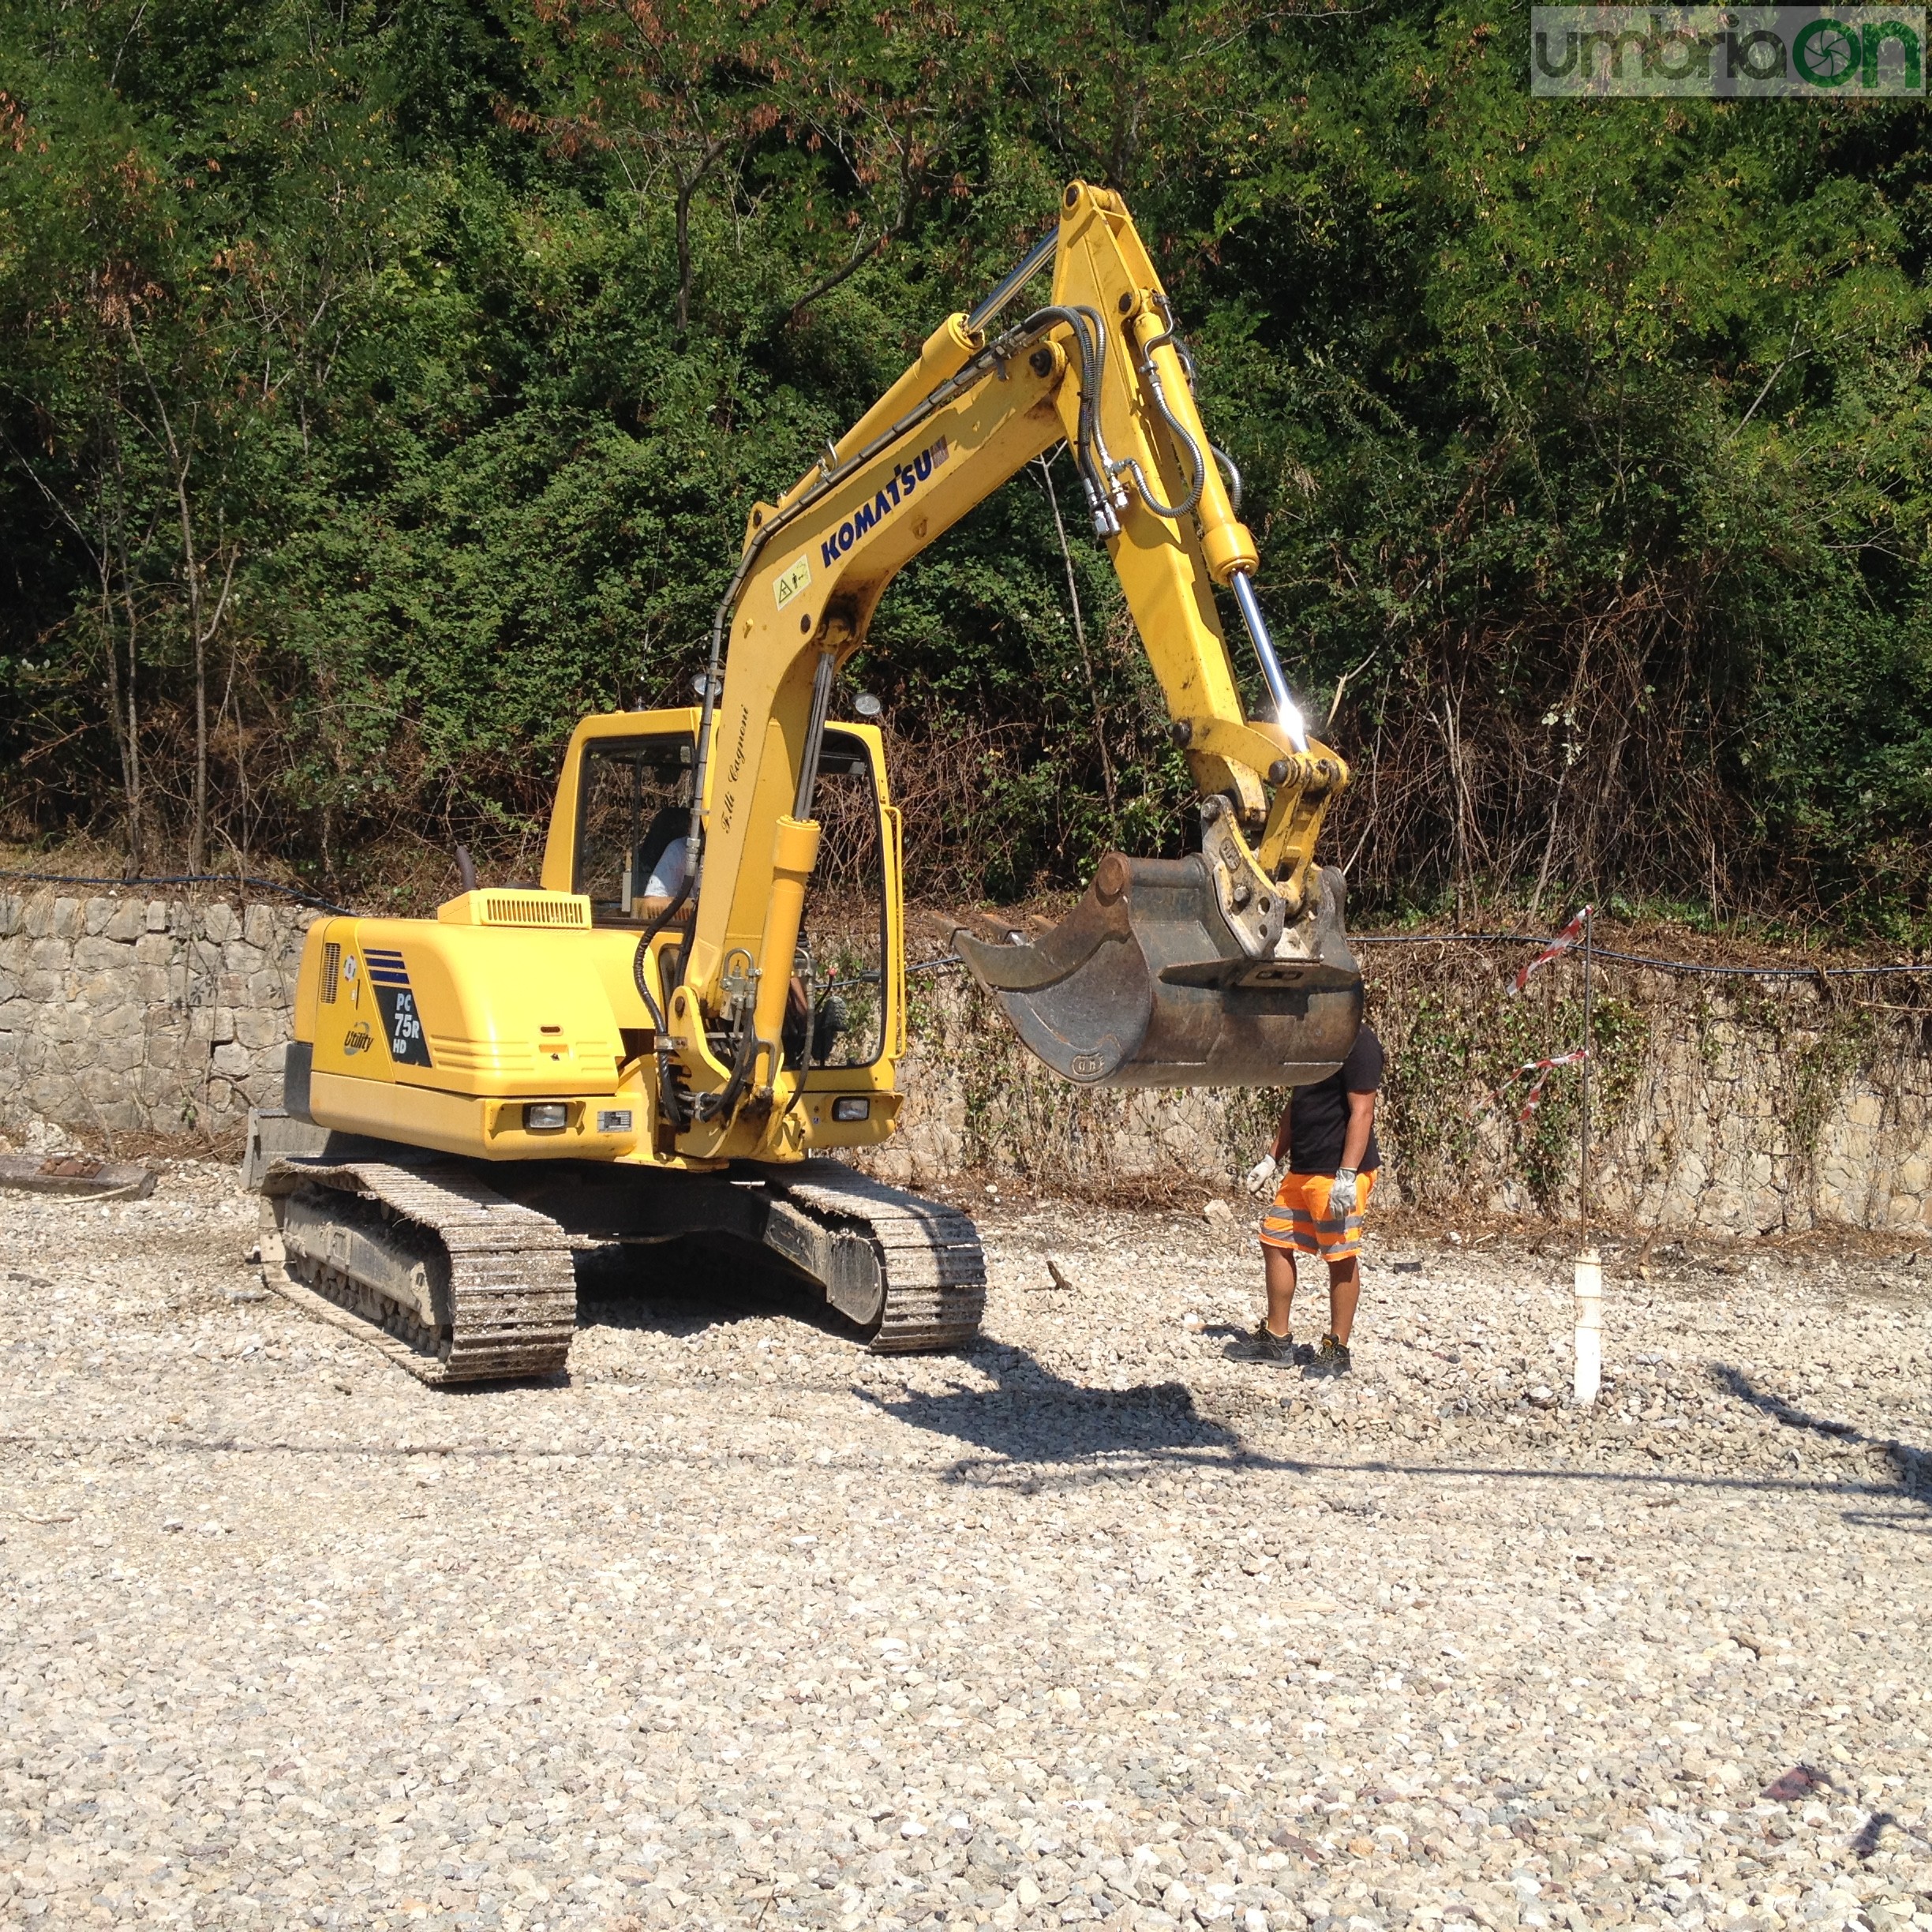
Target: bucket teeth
(1145, 984)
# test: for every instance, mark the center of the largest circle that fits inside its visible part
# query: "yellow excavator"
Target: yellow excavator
(703, 1003)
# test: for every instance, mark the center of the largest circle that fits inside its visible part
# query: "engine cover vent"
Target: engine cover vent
(498, 907)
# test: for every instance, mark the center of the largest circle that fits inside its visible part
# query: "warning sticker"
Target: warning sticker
(792, 581)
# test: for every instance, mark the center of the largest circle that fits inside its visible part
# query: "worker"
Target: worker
(1326, 1139)
(667, 875)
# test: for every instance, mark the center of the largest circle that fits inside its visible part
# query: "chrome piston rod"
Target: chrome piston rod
(1034, 260)
(1285, 708)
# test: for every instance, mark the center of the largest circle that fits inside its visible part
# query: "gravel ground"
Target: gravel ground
(1098, 1622)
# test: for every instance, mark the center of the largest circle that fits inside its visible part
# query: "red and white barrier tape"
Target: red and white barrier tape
(1569, 937)
(1542, 1069)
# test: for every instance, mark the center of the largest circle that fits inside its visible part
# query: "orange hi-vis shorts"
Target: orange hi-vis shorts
(1300, 1218)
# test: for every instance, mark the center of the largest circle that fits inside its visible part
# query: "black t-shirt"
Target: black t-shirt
(1318, 1115)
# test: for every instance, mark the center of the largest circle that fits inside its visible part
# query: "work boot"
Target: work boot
(1331, 1359)
(1267, 1346)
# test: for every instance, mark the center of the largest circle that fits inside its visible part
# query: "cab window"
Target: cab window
(633, 822)
(842, 942)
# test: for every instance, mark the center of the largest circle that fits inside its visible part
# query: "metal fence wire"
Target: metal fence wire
(1689, 967)
(945, 962)
(237, 881)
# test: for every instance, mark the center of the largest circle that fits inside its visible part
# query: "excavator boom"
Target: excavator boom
(1228, 967)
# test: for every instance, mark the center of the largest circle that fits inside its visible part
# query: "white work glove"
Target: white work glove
(1342, 1192)
(1261, 1175)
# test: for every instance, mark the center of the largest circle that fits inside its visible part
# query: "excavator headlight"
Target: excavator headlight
(546, 1117)
(852, 1107)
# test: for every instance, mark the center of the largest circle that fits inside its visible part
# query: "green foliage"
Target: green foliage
(1587, 442)
(1456, 1084)
(1816, 1077)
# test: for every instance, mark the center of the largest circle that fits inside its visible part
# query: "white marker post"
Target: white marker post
(1589, 1264)
(1589, 1327)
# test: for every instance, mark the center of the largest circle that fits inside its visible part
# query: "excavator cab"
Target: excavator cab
(633, 815)
(1147, 984)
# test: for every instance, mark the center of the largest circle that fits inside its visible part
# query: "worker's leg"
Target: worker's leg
(1280, 1267)
(1287, 1225)
(1341, 1250)
(1344, 1292)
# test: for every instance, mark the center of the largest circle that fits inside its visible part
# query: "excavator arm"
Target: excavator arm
(1228, 967)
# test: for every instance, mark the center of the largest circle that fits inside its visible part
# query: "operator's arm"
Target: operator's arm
(1283, 1147)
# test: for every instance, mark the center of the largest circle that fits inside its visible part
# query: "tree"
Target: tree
(382, 387)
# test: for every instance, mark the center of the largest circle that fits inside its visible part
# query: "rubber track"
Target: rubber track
(934, 1266)
(512, 1286)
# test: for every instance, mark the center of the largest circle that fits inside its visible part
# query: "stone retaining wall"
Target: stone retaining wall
(1745, 1113)
(122, 1016)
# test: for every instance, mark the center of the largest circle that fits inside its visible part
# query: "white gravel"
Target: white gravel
(1097, 1623)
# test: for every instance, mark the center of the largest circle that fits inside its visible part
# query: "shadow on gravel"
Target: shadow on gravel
(1913, 1466)
(1036, 1416)
(1870, 1835)
(684, 1287)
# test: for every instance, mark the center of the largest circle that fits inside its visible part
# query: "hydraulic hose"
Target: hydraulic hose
(668, 1097)
(1232, 474)
(1197, 465)
(1110, 499)
(711, 1106)
(650, 932)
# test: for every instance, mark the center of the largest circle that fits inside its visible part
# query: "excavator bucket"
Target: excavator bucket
(1146, 984)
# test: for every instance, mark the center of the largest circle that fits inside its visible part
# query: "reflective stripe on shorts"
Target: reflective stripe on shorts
(1300, 1219)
